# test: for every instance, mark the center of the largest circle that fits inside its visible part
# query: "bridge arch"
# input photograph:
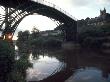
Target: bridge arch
(16, 15)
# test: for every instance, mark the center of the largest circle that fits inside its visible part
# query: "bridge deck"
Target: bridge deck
(16, 3)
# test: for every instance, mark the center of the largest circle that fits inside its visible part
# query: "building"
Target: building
(103, 18)
(50, 33)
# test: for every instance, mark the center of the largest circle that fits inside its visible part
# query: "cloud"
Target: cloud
(79, 3)
(104, 2)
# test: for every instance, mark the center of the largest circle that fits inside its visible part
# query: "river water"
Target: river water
(43, 67)
(84, 65)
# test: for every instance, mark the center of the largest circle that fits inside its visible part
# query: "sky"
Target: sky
(80, 9)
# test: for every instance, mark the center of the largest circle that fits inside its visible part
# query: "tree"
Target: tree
(6, 60)
(61, 28)
(23, 36)
(23, 41)
(35, 32)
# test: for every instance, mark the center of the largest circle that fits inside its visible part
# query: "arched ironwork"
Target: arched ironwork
(11, 17)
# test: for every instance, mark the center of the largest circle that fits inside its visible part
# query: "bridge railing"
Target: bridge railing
(44, 2)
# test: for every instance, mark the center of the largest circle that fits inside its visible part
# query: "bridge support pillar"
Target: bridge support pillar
(71, 42)
(71, 32)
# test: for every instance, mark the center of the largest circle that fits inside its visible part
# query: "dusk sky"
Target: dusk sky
(80, 9)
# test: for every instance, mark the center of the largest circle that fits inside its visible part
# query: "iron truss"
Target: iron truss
(11, 17)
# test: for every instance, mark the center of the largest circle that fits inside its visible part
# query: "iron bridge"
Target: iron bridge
(13, 12)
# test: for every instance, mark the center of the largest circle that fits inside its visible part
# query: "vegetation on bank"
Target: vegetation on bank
(20, 66)
(12, 70)
(37, 40)
(46, 42)
(93, 36)
(6, 60)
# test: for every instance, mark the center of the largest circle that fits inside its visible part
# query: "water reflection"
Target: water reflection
(89, 75)
(91, 67)
(45, 63)
(16, 48)
(84, 65)
(43, 67)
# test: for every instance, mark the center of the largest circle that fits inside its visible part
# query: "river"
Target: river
(84, 65)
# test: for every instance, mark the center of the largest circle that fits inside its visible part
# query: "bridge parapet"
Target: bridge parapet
(44, 2)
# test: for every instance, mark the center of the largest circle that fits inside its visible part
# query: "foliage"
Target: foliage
(11, 70)
(20, 66)
(51, 42)
(23, 40)
(36, 39)
(35, 33)
(6, 59)
(23, 36)
(46, 42)
(90, 35)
